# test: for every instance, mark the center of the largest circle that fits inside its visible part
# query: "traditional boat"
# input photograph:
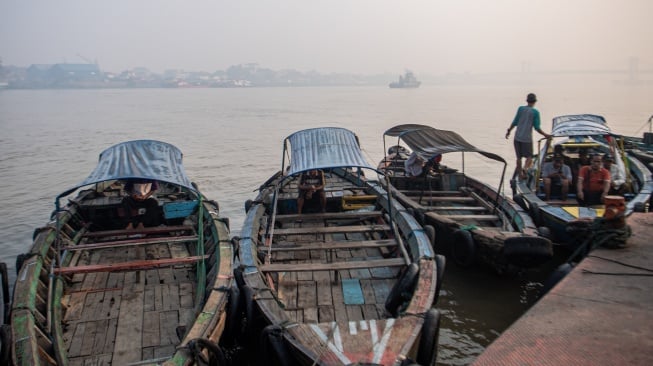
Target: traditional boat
(576, 136)
(408, 80)
(353, 285)
(474, 222)
(641, 147)
(91, 291)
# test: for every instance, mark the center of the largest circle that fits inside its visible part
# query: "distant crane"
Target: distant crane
(87, 60)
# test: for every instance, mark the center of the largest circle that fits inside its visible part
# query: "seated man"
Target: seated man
(617, 183)
(556, 174)
(414, 165)
(593, 182)
(141, 209)
(311, 183)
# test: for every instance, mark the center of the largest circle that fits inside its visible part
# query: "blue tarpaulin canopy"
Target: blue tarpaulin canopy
(323, 148)
(428, 142)
(140, 159)
(579, 125)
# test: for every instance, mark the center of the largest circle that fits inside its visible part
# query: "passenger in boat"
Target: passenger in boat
(556, 174)
(414, 166)
(593, 182)
(526, 119)
(433, 164)
(310, 184)
(617, 179)
(141, 209)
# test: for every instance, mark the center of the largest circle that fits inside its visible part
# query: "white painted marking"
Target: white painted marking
(331, 346)
(352, 328)
(363, 325)
(336, 337)
(374, 332)
(379, 349)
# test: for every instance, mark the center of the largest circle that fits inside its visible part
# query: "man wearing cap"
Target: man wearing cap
(557, 174)
(526, 119)
(593, 182)
(617, 185)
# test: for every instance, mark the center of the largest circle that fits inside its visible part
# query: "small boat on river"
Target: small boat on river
(471, 221)
(126, 276)
(574, 136)
(352, 282)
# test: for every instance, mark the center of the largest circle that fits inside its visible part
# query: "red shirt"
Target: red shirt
(594, 181)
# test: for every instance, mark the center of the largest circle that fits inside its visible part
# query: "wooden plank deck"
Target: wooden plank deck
(599, 314)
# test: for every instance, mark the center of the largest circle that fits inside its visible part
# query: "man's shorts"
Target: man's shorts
(523, 149)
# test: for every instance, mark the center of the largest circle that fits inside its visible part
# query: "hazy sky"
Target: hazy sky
(358, 36)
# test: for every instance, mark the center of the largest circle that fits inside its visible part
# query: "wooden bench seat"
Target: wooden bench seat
(473, 217)
(332, 229)
(132, 242)
(304, 267)
(147, 230)
(129, 266)
(280, 247)
(327, 216)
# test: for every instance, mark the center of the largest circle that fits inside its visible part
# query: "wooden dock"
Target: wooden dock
(599, 314)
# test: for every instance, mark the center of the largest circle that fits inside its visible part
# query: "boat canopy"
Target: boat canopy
(140, 159)
(428, 142)
(579, 125)
(323, 148)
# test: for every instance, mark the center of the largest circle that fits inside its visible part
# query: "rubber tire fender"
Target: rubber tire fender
(527, 251)
(233, 316)
(430, 232)
(427, 352)
(534, 211)
(402, 289)
(556, 276)
(248, 205)
(5, 341)
(463, 251)
(249, 307)
(440, 261)
(519, 200)
(273, 347)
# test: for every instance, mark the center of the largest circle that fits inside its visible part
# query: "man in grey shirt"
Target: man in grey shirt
(556, 174)
(526, 119)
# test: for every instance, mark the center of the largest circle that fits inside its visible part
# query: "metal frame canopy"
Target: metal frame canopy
(323, 148)
(428, 142)
(579, 125)
(139, 159)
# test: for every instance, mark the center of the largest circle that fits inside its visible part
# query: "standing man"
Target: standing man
(526, 119)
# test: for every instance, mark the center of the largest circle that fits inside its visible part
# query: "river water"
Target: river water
(232, 142)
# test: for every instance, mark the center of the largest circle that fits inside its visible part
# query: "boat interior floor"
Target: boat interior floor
(333, 266)
(122, 317)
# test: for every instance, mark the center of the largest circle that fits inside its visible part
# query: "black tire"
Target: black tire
(20, 259)
(534, 211)
(238, 276)
(427, 352)
(249, 306)
(273, 347)
(639, 207)
(402, 289)
(5, 341)
(248, 205)
(527, 251)
(556, 276)
(216, 355)
(544, 232)
(463, 250)
(440, 261)
(430, 233)
(233, 317)
(519, 200)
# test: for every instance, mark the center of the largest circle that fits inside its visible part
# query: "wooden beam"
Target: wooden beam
(128, 266)
(328, 216)
(307, 267)
(147, 230)
(473, 217)
(280, 247)
(417, 192)
(456, 208)
(332, 229)
(447, 199)
(132, 242)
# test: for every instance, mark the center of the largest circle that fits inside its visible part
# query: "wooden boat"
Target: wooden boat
(641, 147)
(473, 221)
(90, 291)
(354, 285)
(575, 134)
